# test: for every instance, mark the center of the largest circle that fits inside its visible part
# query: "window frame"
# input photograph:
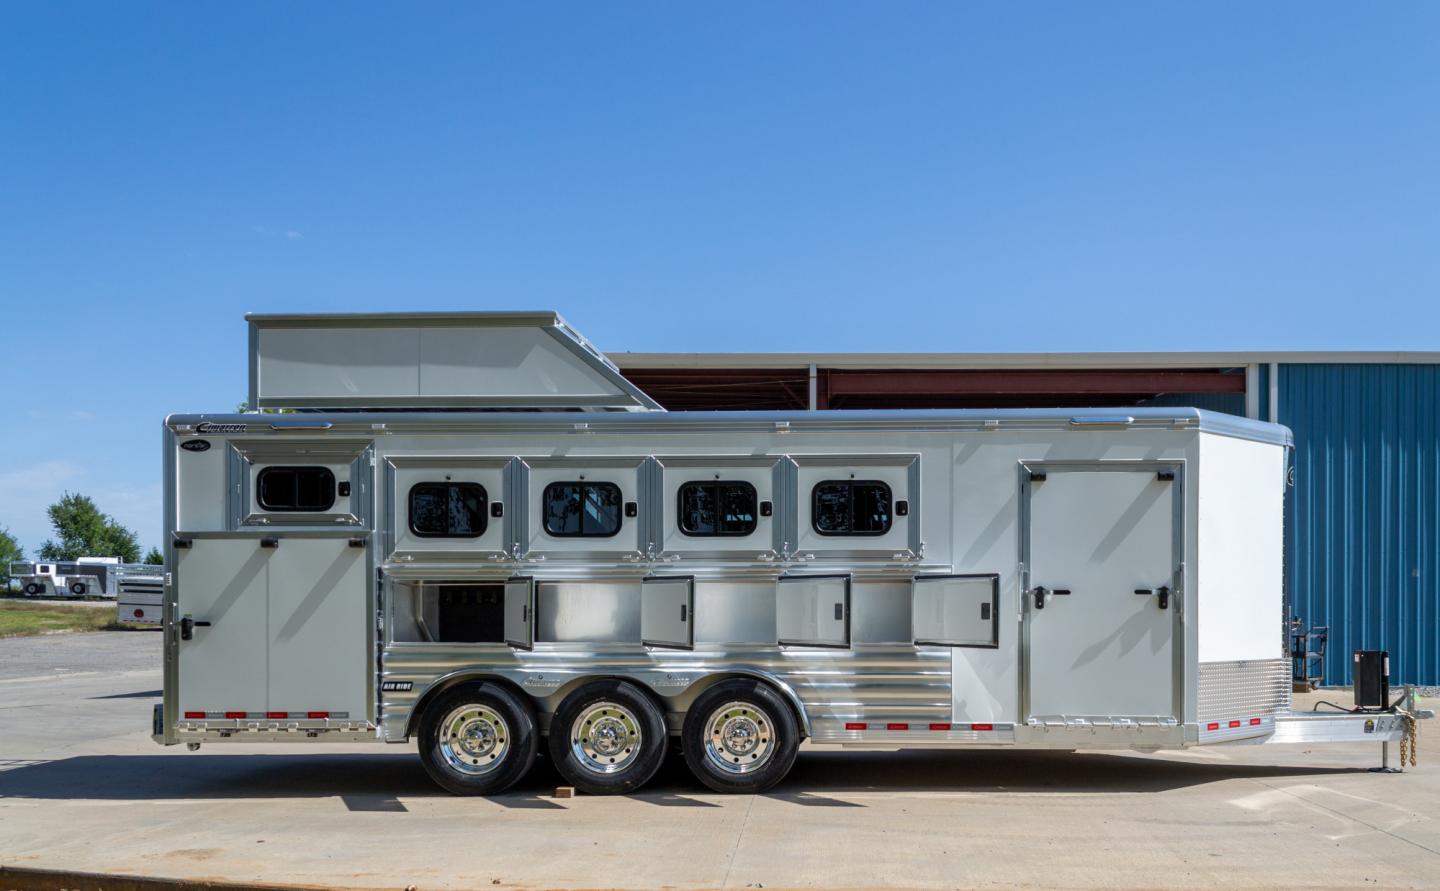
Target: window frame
(459, 484)
(295, 469)
(680, 512)
(851, 485)
(582, 485)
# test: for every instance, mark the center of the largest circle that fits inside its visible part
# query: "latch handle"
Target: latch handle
(1040, 596)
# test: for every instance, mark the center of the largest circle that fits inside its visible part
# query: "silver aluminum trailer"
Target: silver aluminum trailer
(474, 532)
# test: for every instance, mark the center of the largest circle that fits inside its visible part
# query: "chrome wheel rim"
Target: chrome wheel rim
(605, 737)
(739, 737)
(474, 740)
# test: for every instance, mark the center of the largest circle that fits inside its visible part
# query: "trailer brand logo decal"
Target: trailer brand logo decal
(539, 680)
(397, 686)
(208, 427)
(195, 445)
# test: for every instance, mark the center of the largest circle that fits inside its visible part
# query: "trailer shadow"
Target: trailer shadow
(378, 782)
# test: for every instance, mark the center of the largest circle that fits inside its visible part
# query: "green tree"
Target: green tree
(9, 550)
(83, 531)
(154, 557)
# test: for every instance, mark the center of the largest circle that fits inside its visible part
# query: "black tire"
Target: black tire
(79, 589)
(32, 589)
(484, 724)
(626, 739)
(764, 744)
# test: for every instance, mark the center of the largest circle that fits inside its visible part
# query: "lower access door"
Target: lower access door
(221, 586)
(1103, 549)
(320, 625)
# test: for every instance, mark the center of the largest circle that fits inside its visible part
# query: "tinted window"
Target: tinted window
(582, 509)
(295, 488)
(447, 510)
(716, 508)
(846, 507)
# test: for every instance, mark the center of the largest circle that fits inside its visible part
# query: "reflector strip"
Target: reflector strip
(276, 716)
(193, 716)
(855, 725)
(939, 726)
(1254, 721)
(317, 715)
(982, 727)
(237, 715)
(1213, 725)
(1234, 723)
(897, 726)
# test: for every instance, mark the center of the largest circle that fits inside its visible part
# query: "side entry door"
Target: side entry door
(1102, 548)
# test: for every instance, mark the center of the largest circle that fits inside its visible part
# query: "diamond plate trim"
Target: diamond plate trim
(1247, 688)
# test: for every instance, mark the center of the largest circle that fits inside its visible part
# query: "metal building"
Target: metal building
(1363, 508)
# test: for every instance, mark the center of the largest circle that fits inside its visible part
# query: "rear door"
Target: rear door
(319, 628)
(221, 588)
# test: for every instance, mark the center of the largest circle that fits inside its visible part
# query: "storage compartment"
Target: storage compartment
(813, 611)
(470, 613)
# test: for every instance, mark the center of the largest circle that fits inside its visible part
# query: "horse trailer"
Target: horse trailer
(471, 531)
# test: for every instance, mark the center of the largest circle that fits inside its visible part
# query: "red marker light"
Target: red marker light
(1213, 725)
(276, 716)
(1234, 723)
(939, 726)
(855, 725)
(897, 726)
(982, 727)
(315, 716)
(194, 716)
(237, 715)
(1254, 721)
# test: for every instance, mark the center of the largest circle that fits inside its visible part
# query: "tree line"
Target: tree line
(81, 530)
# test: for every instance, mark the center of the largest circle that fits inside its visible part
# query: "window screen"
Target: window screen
(849, 507)
(295, 489)
(717, 508)
(582, 509)
(447, 510)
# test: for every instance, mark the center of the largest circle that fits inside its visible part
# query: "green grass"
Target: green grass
(19, 619)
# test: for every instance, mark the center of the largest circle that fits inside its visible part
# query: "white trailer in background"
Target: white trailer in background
(81, 577)
(140, 598)
(474, 532)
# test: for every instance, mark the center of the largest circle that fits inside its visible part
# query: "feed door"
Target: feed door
(813, 611)
(1103, 551)
(667, 612)
(221, 589)
(520, 612)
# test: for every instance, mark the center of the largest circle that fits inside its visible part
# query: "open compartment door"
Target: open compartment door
(520, 612)
(813, 611)
(667, 612)
(956, 610)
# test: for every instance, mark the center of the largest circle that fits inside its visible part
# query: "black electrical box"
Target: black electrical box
(1372, 679)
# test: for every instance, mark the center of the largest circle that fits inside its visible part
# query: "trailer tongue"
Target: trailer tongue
(472, 531)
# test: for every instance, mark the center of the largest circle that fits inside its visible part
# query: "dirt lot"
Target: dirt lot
(82, 787)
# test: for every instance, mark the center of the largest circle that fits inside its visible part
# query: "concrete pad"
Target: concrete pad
(82, 787)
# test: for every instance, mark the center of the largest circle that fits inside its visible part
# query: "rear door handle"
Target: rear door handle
(1162, 593)
(188, 626)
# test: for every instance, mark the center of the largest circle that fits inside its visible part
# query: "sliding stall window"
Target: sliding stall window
(715, 508)
(448, 510)
(851, 507)
(309, 489)
(582, 509)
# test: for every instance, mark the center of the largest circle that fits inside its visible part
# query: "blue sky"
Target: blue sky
(806, 176)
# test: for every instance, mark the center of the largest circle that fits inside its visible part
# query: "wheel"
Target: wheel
(608, 738)
(477, 739)
(32, 589)
(78, 589)
(740, 736)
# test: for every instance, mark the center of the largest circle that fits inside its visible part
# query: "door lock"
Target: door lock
(1041, 591)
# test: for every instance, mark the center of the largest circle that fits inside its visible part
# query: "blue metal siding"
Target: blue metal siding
(1362, 530)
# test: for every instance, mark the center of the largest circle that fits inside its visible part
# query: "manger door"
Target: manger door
(956, 610)
(520, 613)
(321, 628)
(667, 612)
(220, 586)
(813, 611)
(1101, 611)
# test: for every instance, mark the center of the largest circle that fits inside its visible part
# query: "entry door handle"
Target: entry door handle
(188, 626)
(1041, 591)
(1162, 594)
